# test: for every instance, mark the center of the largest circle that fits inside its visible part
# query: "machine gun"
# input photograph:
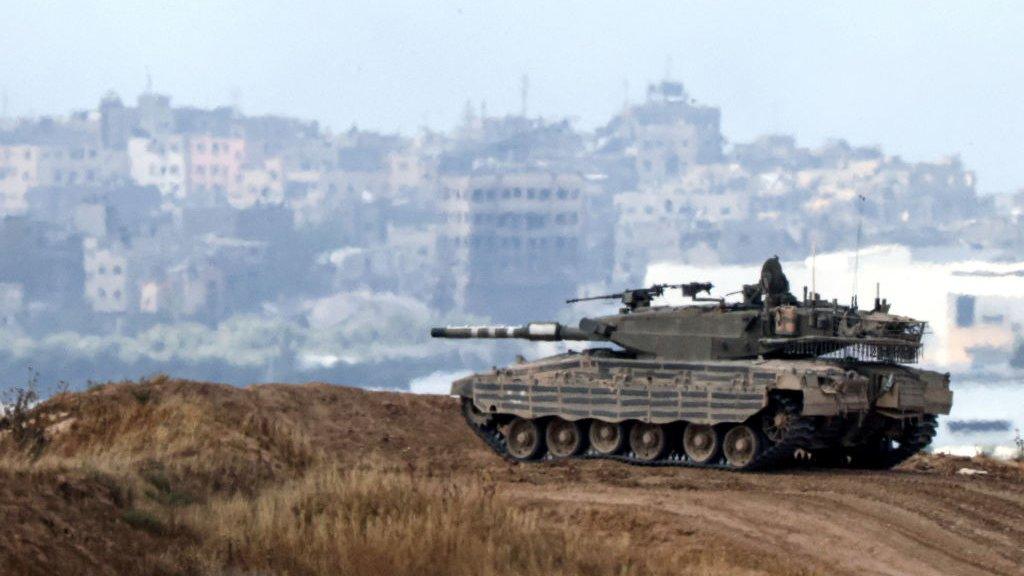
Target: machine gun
(642, 297)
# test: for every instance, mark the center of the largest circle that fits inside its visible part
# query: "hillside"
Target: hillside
(177, 477)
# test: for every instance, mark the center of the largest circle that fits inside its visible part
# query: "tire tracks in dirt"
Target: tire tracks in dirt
(837, 522)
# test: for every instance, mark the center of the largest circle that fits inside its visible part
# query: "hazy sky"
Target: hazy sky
(923, 79)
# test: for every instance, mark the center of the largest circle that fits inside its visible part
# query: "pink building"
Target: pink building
(215, 164)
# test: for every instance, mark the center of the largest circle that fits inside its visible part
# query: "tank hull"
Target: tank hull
(835, 412)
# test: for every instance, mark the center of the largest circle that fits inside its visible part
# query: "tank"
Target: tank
(763, 382)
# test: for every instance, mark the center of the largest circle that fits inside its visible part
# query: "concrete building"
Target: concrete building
(262, 184)
(405, 264)
(106, 285)
(510, 242)
(353, 200)
(46, 261)
(19, 172)
(152, 298)
(679, 220)
(772, 152)
(116, 121)
(90, 219)
(196, 287)
(151, 117)
(410, 170)
(83, 163)
(896, 201)
(159, 162)
(665, 135)
(154, 115)
(215, 164)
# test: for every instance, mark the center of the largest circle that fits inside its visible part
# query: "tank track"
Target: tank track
(801, 435)
(879, 454)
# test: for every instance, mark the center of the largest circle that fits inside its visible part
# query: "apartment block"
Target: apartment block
(19, 171)
(512, 238)
(215, 164)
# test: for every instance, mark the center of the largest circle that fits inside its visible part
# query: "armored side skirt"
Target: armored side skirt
(580, 386)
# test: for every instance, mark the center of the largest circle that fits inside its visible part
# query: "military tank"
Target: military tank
(762, 383)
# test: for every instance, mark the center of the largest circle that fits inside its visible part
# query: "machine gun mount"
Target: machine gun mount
(642, 297)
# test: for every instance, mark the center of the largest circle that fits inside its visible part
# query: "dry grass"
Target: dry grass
(203, 438)
(374, 521)
(203, 479)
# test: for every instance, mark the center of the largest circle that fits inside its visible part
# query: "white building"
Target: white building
(159, 162)
(262, 184)
(19, 171)
(151, 298)
(106, 285)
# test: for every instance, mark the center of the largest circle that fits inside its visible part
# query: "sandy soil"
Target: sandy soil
(923, 518)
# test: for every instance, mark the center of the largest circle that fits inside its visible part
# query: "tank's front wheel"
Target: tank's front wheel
(607, 438)
(525, 439)
(741, 446)
(564, 438)
(647, 441)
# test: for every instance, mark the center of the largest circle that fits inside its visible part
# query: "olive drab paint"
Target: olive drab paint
(765, 381)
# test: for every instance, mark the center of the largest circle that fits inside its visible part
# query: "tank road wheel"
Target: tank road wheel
(647, 441)
(607, 438)
(741, 446)
(525, 439)
(700, 442)
(565, 438)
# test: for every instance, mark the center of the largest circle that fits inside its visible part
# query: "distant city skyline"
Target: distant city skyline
(921, 80)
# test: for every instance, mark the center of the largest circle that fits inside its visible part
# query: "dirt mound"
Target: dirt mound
(169, 476)
(224, 438)
(75, 523)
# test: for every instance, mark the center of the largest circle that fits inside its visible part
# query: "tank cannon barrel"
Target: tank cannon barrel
(541, 331)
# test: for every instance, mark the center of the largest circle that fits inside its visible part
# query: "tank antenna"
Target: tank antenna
(814, 276)
(856, 251)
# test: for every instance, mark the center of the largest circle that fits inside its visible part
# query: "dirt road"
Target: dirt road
(899, 522)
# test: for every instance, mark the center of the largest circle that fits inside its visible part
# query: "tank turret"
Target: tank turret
(750, 384)
(768, 323)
